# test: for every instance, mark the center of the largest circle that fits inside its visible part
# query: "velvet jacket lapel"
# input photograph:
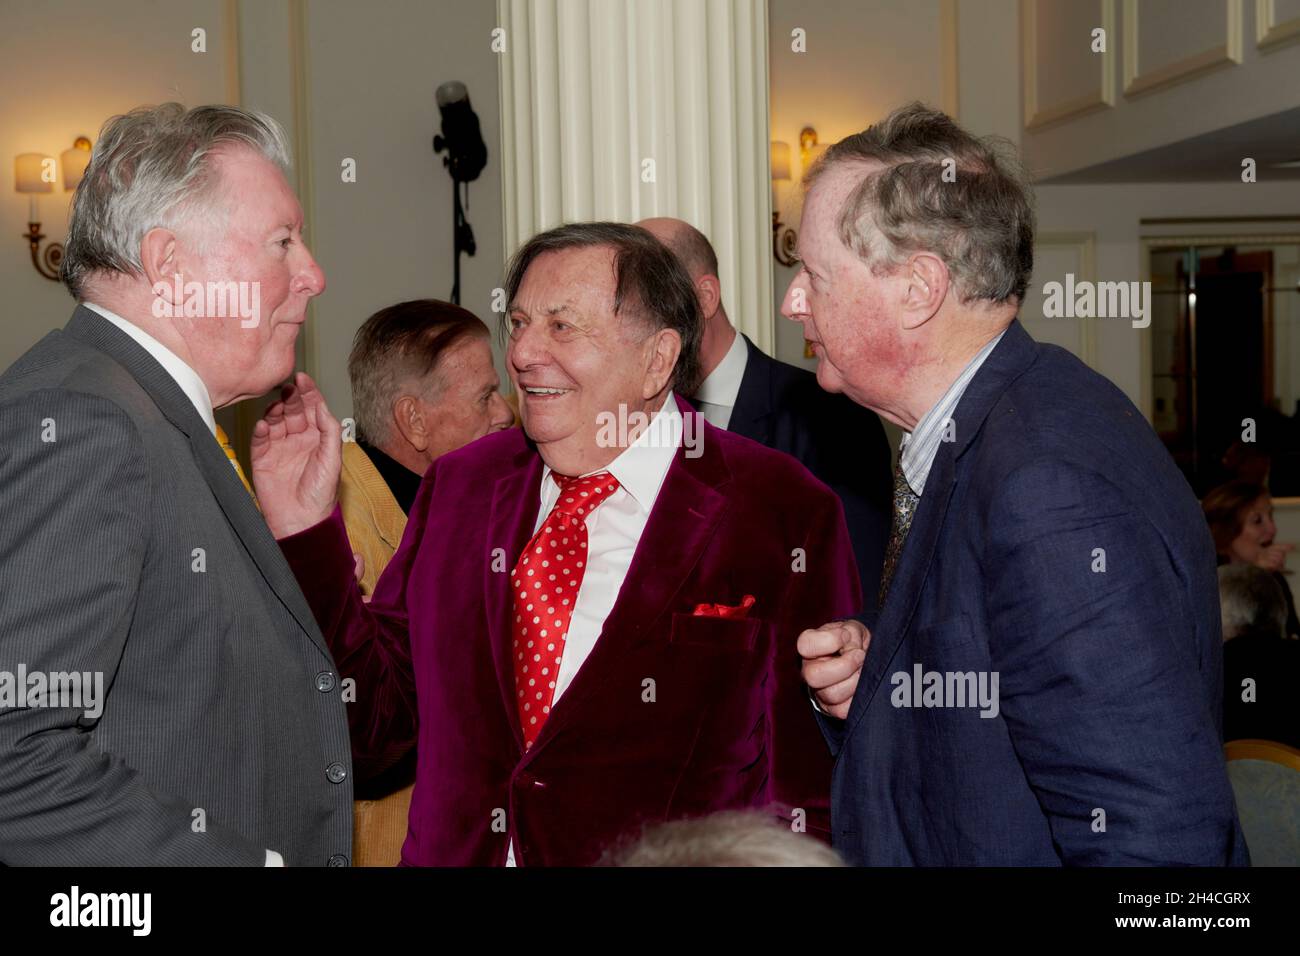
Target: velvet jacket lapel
(1012, 356)
(681, 524)
(233, 498)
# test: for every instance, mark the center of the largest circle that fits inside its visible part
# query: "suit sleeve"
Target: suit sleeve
(1099, 679)
(826, 589)
(833, 728)
(370, 641)
(72, 556)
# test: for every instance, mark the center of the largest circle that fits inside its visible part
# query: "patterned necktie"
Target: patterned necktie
(905, 500)
(546, 580)
(229, 449)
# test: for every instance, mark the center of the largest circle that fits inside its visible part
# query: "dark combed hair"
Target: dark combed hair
(650, 283)
(396, 347)
(1225, 511)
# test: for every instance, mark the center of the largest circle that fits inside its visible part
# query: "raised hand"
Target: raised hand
(297, 456)
(1273, 557)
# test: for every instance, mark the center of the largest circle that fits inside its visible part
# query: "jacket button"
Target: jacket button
(336, 773)
(324, 682)
(338, 859)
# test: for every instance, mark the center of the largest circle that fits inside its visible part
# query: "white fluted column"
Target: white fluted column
(593, 89)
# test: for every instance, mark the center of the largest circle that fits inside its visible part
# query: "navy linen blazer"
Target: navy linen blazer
(840, 442)
(1057, 547)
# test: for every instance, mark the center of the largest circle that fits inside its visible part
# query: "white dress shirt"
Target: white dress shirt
(613, 533)
(194, 390)
(175, 366)
(716, 396)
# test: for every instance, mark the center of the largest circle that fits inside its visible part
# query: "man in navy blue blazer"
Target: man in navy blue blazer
(781, 406)
(1041, 682)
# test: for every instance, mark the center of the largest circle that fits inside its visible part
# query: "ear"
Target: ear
(159, 261)
(927, 288)
(665, 346)
(708, 289)
(408, 418)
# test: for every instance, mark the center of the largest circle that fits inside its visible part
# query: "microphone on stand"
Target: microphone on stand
(462, 140)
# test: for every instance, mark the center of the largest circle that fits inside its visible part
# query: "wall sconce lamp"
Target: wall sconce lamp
(34, 173)
(809, 149)
(785, 239)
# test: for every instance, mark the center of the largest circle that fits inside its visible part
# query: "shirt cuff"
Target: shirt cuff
(273, 859)
(816, 706)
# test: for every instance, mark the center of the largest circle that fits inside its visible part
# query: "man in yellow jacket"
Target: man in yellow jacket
(423, 384)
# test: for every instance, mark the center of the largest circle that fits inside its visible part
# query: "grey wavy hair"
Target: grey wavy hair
(979, 219)
(1250, 599)
(153, 167)
(726, 838)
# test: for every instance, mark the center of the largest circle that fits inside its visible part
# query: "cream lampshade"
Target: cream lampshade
(74, 162)
(30, 178)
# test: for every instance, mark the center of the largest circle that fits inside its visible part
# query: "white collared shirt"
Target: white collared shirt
(173, 364)
(613, 532)
(919, 447)
(716, 396)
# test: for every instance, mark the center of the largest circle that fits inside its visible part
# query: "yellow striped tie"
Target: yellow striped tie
(229, 449)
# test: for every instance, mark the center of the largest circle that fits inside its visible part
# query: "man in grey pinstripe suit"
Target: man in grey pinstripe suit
(130, 553)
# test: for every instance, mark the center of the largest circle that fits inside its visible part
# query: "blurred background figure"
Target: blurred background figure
(423, 384)
(730, 838)
(1240, 515)
(1261, 665)
(1247, 461)
(1261, 712)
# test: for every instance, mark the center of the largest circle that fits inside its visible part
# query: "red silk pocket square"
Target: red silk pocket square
(722, 610)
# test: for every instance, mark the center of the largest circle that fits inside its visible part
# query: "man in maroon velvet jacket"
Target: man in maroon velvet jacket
(668, 659)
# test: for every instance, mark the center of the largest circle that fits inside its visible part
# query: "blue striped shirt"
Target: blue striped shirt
(919, 447)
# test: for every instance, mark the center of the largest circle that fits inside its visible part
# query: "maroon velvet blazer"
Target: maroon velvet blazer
(726, 722)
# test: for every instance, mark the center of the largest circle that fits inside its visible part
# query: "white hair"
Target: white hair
(153, 167)
(727, 838)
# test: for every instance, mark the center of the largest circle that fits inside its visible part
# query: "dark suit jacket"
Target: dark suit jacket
(730, 724)
(221, 694)
(840, 442)
(1109, 680)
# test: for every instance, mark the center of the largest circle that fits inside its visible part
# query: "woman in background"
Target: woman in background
(1240, 515)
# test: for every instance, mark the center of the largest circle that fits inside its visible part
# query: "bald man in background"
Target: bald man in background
(779, 405)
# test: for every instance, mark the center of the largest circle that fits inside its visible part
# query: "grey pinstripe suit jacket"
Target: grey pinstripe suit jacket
(223, 731)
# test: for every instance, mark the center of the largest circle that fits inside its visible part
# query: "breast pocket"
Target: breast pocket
(719, 633)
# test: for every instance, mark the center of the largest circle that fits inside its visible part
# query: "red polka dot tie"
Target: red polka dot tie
(546, 580)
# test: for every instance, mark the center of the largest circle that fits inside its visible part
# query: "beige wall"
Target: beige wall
(862, 60)
(370, 73)
(1244, 81)
(65, 67)
(387, 237)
